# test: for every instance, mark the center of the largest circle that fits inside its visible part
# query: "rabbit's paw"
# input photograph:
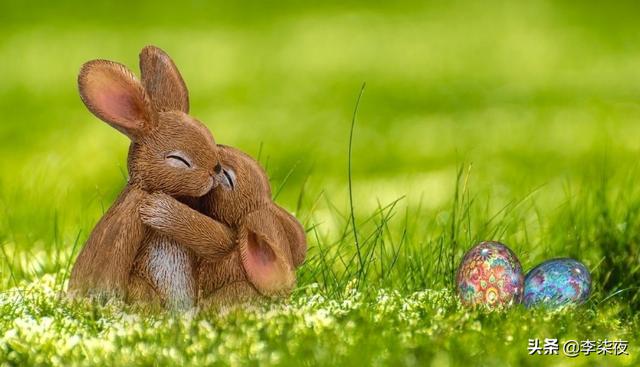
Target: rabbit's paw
(157, 210)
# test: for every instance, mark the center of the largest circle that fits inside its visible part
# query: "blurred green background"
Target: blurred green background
(536, 100)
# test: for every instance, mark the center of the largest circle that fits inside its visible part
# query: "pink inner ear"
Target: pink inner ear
(115, 97)
(262, 266)
(119, 104)
(260, 250)
(260, 259)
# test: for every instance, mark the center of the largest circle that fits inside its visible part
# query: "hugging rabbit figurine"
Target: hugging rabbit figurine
(170, 152)
(268, 243)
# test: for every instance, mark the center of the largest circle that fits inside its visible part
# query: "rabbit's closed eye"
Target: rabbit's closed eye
(227, 178)
(178, 160)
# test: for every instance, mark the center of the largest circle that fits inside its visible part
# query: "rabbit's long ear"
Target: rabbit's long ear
(112, 93)
(264, 249)
(296, 235)
(163, 81)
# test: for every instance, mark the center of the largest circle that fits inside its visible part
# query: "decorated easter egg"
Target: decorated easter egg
(556, 283)
(490, 275)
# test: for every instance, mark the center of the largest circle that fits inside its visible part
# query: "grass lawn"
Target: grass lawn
(516, 122)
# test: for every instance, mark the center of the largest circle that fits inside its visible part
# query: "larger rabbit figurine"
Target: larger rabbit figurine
(170, 152)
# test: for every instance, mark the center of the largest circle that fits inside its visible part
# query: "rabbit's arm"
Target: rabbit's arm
(205, 236)
(104, 264)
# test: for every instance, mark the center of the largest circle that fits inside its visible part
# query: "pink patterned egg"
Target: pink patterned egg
(490, 275)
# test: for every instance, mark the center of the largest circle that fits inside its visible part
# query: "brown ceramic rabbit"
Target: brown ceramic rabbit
(170, 152)
(269, 243)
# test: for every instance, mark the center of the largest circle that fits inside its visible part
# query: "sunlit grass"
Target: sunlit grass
(385, 328)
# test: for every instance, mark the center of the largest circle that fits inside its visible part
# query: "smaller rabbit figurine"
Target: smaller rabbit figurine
(170, 152)
(268, 245)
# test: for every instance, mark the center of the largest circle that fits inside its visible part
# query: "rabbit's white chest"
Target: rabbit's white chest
(170, 269)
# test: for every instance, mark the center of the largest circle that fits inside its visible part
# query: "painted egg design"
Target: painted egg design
(490, 275)
(556, 283)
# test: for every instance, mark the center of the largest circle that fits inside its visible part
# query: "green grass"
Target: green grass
(494, 120)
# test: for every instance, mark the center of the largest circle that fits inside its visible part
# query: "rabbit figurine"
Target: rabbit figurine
(268, 243)
(170, 152)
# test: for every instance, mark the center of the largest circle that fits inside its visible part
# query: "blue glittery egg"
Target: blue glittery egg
(556, 283)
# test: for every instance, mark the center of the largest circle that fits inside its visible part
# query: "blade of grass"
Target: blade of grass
(353, 217)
